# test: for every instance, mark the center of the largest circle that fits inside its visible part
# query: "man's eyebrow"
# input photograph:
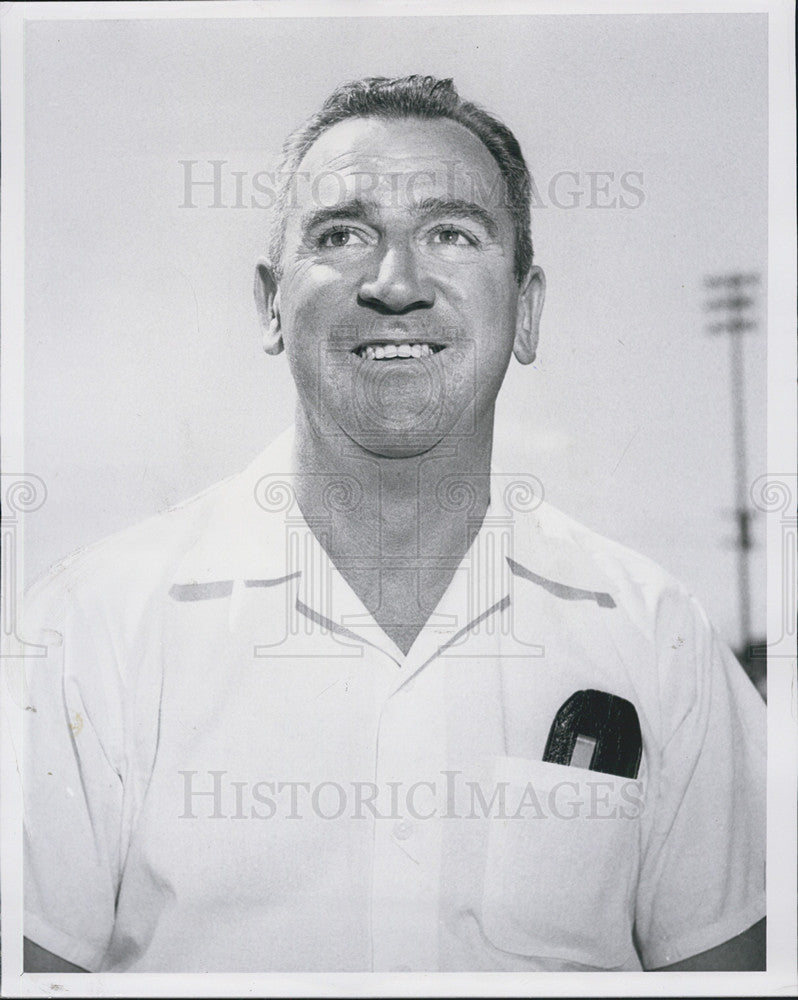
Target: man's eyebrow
(458, 208)
(354, 208)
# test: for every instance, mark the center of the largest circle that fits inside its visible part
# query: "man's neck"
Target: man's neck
(395, 528)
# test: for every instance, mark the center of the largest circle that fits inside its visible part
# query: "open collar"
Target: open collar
(252, 535)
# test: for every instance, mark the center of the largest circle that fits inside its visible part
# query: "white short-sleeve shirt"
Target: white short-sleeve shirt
(230, 767)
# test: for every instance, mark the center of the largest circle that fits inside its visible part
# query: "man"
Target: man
(371, 705)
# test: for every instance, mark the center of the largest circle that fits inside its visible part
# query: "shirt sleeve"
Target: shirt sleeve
(703, 870)
(72, 789)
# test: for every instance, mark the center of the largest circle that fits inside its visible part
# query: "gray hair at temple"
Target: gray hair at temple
(411, 97)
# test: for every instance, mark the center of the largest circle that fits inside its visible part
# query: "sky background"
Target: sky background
(144, 377)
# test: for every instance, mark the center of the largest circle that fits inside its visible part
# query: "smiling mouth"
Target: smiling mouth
(386, 352)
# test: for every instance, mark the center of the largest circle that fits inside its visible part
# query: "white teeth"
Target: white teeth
(379, 351)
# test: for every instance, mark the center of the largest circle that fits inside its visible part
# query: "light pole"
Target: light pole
(733, 303)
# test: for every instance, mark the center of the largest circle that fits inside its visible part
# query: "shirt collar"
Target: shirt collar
(250, 529)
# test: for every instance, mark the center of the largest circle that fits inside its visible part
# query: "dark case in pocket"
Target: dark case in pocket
(598, 731)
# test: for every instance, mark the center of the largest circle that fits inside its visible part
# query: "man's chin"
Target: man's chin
(400, 446)
(395, 443)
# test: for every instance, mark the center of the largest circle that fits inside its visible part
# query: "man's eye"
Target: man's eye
(340, 237)
(451, 237)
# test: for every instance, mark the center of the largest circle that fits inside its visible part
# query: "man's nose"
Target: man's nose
(399, 284)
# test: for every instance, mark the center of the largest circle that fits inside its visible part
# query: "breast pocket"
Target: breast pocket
(562, 862)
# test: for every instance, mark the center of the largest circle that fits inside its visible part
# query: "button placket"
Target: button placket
(406, 872)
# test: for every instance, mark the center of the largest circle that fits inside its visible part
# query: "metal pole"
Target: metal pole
(741, 478)
(734, 303)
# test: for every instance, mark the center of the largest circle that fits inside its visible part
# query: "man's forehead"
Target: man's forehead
(397, 162)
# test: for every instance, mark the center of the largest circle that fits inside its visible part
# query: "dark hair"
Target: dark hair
(412, 97)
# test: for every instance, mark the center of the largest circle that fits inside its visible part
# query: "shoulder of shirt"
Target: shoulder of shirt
(568, 552)
(137, 555)
(141, 559)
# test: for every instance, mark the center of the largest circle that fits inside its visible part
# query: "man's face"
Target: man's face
(398, 304)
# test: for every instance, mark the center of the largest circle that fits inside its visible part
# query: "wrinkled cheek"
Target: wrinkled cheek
(323, 369)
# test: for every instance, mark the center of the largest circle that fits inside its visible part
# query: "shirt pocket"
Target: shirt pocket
(562, 862)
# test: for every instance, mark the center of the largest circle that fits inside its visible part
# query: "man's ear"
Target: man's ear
(527, 322)
(267, 300)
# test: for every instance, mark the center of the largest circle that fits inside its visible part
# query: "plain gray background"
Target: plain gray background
(144, 377)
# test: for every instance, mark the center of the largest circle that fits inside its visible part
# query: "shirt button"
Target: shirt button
(403, 831)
